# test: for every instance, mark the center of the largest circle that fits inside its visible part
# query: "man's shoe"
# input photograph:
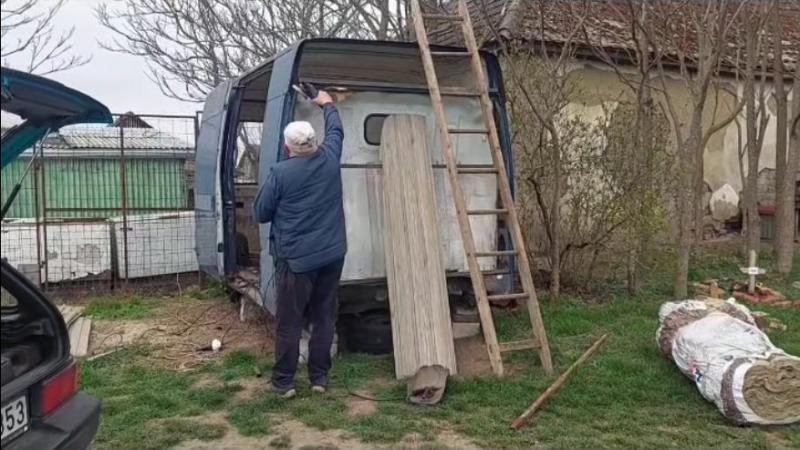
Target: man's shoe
(319, 389)
(282, 393)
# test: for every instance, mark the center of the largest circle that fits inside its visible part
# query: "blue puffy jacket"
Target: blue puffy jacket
(302, 197)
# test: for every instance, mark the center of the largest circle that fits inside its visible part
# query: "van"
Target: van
(371, 80)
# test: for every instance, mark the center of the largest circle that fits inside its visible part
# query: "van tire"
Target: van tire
(242, 249)
(370, 332)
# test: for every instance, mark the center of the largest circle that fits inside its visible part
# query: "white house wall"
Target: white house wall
(598, 86)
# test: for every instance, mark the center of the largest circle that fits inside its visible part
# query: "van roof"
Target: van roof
(354, 64)
(340, 45)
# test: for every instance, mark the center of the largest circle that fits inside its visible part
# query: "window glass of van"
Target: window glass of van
(373, 126)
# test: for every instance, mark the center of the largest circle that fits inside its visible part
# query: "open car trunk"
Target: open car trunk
(32, 333)
(40, 406)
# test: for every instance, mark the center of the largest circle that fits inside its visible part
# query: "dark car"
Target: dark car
(40, 405)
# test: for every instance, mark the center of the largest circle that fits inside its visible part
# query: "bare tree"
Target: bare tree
(193, 45)
(539, 88)
(793, 159)
(590, 185)
(31, 41)
(757, 117)
(646, 134)
(694, 38)
(786, 159)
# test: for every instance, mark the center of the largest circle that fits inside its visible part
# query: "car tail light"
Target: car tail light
(59, 388)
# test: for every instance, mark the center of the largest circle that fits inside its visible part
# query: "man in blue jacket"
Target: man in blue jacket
(302, 198)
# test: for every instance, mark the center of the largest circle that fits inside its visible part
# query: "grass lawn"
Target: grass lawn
(627, 395)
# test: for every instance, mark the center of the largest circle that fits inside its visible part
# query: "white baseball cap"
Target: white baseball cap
(300, 138)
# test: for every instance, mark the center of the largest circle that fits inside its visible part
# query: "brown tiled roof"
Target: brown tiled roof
(607, 23)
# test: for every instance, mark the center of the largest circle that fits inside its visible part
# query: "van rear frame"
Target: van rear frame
(385, 75)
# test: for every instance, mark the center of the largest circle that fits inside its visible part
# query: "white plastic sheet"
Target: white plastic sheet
(716, 350)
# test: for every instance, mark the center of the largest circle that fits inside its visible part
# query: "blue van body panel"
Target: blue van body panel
(278, 113)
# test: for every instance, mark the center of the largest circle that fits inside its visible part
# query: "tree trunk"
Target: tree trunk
(645, 141)
(555, 220)
(686, 216)
(633, 279)
(685, 235)
(682, 274)
(698, 190)
(752, 221)
(786, 167)
(687, 201)
(785, 256)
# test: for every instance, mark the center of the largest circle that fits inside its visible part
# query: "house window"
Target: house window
(373, 126)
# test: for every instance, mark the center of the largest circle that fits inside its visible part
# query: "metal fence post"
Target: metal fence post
(37, 167)
(124, 199)
(45, 254)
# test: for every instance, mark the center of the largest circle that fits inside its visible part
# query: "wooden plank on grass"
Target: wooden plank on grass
(421, 329)
(79, 334)
(70, 313)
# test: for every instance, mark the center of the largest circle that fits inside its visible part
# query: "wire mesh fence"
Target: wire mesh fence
(104, 207)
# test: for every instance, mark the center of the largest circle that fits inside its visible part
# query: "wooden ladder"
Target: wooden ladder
(507, 209)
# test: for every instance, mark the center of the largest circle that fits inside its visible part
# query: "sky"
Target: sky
(119, 81)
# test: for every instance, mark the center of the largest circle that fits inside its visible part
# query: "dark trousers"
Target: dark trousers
(305, 297)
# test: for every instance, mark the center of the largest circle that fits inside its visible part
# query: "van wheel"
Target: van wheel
(370, 332)
(242, 249)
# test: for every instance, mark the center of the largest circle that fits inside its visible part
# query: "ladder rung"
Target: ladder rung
(501, 297)
(451, 53)
(478, 170)
(495, 272)
(486, 212)
(518, 345)
(468, 131)
(496, 253)
(459, 92)
(442, 17)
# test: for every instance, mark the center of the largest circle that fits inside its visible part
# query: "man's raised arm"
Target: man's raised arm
(334, 132)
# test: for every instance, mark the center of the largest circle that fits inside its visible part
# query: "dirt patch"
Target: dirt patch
(777, 440)
(358, 407)
(182, 330)
(232, 441)
(250, 388)
(472, 359)
(207, 380)
(451, 439)
(445, 439)
(290, 434)
(110, 334)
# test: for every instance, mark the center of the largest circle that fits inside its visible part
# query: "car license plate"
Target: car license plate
(14, 417)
